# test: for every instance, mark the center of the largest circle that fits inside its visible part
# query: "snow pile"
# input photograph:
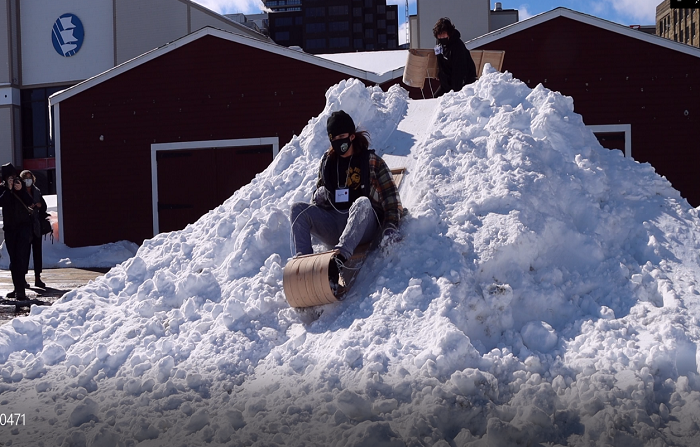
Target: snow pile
(545, 292)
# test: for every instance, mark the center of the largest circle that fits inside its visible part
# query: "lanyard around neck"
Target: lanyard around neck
(337, 171)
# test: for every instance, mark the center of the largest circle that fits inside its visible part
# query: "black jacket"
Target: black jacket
(40, 213)
(15, 204)
(455, 65)
(38, 197)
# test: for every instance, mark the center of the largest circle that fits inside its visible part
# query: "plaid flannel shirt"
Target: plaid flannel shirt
(383, 192)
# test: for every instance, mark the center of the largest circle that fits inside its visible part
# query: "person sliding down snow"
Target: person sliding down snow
(355, 196)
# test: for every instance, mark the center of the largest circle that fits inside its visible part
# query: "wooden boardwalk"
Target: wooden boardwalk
(58, 282)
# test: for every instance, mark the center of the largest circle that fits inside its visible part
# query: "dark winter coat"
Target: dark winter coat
(15, 204)
(383, 193)
(455, 65)
(37, 197)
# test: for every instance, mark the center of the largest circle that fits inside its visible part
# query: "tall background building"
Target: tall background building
(334, 26)
(282, 5)
(679, 25)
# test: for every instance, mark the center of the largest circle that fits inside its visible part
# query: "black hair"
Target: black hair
(443, 25)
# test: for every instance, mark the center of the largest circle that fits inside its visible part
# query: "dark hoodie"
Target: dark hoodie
(456, 66)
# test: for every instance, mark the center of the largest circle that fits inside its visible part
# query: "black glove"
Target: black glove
(321, 197)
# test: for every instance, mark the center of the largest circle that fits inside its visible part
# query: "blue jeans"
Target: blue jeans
(343, 231)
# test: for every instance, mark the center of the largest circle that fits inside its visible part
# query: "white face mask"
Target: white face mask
(28, 182)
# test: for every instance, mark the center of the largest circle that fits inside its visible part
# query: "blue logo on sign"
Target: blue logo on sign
(68, 35)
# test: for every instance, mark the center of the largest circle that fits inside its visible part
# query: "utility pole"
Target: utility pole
(408, 32)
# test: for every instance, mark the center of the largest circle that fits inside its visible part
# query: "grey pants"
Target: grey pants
(340, 230)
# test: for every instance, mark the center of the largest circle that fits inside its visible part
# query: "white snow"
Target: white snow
(379, 62)
(545, 293)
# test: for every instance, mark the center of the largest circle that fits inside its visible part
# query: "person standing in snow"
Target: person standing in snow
(17, 219)
(39, 213)
(455, 64)
(355, 196)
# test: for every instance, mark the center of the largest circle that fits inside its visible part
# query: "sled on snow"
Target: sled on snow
(306, 278)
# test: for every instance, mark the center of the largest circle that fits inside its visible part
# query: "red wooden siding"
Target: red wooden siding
(209, 89)
(615, 79)
(192, 182)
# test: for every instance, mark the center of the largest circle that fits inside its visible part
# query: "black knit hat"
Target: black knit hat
(339, 123)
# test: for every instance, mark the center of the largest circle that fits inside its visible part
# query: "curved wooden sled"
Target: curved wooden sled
(305, 280)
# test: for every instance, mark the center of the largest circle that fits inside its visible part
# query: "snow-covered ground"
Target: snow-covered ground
(545, 293)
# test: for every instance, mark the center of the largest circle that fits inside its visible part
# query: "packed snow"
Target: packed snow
(544, 293)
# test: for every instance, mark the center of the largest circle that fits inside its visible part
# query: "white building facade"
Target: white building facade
(470, 17)
(473, 18)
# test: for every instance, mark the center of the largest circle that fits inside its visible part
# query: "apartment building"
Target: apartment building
(334, 26)
(679, 25)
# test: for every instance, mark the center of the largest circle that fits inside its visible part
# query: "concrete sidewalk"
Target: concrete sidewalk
(58, 282)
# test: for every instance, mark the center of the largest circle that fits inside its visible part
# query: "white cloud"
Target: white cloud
(599, 8)
(232, 6)
(638, 12)
(523, 13)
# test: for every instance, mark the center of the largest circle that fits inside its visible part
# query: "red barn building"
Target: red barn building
(634, 89)
(213, 105)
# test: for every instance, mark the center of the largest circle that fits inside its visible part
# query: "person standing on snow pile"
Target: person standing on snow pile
(355, 197)
(455, 64)
(40, 214)
(18, 227)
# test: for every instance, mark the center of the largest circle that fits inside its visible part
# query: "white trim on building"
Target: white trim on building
(59, 176)
(205, 144)
(616, 128)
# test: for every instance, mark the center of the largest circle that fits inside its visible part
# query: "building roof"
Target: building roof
(271, 47)
(374, 61)
(583, 18)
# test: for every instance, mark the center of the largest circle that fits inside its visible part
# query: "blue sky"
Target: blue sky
(626, 12)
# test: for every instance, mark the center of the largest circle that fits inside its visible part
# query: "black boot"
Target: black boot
(38, 282)
(335, 268)
(21, 296)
